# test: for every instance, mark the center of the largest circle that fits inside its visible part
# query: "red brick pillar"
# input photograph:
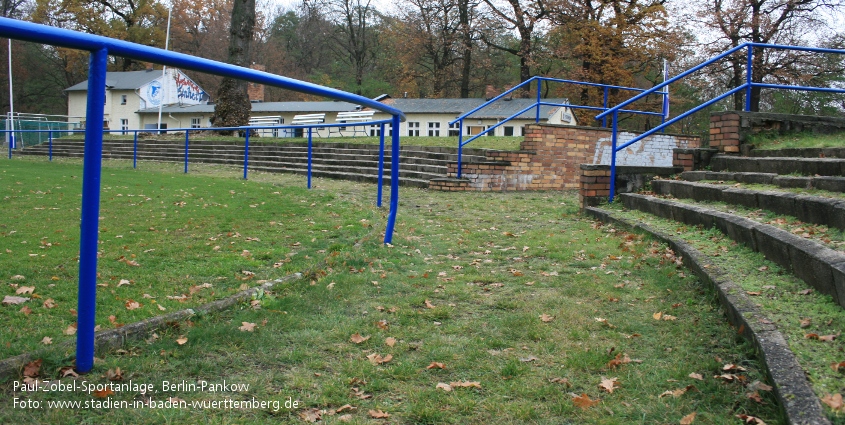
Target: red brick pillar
(595, 184)
(724, 132)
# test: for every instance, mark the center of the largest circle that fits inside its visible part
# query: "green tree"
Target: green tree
(233, 106)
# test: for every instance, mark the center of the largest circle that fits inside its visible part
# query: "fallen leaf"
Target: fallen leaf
(444, 387)
(753, 293)
(755, 396)
(834, 401)
(49, 303)
(161, 307)
(114, 374)
(428, 304)
(688, 419)
(310, 415)
(658, 315)
(528, 359)
(123, 282)
(71, 330)
(181, 340)
(383, 324)
(609, 384)
(12, 300)
(600, 320)
(807, 291)
(17, 276)
(436, 365)
(68, 371)
(357, 338)
(32, 369)
(836, 366)
(620, 359)
(247, 327)
(751, 419)
(390, 341)
(465, 384)
(132, 304)
(668, 317)
(731, 366)
(583, 401)
(696, 376)
(345, 418)
(25, 290)
(26, 310)
(103, 393)
(378, 414)
(47, 340)
(345, 407)
(546, 318)
(806, 322)
(377, 359)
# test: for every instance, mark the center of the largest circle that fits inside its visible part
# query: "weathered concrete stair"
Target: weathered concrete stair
(418, 165)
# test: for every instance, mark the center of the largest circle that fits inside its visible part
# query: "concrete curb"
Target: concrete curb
(11, 367)
(800, 404)
(818, 266)
(811, 209)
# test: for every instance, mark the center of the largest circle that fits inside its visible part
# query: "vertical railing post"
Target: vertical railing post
(11, 142)
(246, 152)
(665, 110)
(604, 105)
(460, 144)
(89, 224)
(186, 151)
(135, 150)
(539, 93)
(613, 140)
(310, 153)
(380, 166)
(394, 181)
(50, 141)
(748, 80)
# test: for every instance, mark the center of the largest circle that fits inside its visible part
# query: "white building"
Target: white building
(129, 92)
(133, 99)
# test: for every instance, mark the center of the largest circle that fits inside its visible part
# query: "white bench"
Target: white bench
(350, 117)
(267, 121)
(306, 119)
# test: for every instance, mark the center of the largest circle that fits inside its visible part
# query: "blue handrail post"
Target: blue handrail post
(11, 143)
(665, 109)
(748, 79)
(613, 156)
(460, 144)
(604, 105)
(380, 165)
(50, 140)
(135, 150)
(186, 152)
(310, 153)
(539, 93)
(394, 181)
(246, 152)
(91, 174)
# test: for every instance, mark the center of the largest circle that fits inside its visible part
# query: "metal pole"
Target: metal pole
(89, 224)
(163, 68)
(539, 88)
(135, 150)
(51, 145)
(604, 105)
(309, 157)
(613, 156)
(11, 105)
(665, 94)
(460, 144)
(186, 151)
(380, 166)
(246, 152)
(748, 81)
(394, 181)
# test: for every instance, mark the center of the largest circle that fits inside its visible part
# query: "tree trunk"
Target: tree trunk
(466, 69)
(233, 106)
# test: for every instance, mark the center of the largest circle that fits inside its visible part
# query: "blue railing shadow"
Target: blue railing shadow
(747, 86)
(100, 48)
(540, 103)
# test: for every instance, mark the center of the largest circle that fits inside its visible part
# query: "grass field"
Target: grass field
(488, 308)
(800, 140)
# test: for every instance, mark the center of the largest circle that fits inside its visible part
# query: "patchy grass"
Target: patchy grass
(800, 140)
(527, 306)
(783, 298)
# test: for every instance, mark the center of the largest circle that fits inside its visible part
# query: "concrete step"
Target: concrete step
(808, 208)
(779, 165)
(817, 265)
(831, 184)
(800, 152)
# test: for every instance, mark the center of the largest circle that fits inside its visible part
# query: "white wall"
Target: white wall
(653, 151)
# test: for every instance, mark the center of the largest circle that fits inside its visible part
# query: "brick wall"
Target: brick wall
(595, 181)
(550, 157)
(724, 132)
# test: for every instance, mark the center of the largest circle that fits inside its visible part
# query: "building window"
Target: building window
(454, 129)
(195, 122)
(434, 129)
(413, 128)
(375, 130)
(508, 131)
(124, 125)
(123, 99)
(474, 129)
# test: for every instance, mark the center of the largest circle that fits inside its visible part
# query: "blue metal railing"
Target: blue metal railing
(246, 129)
(100, 48)
(539, 103)
(747, 87)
